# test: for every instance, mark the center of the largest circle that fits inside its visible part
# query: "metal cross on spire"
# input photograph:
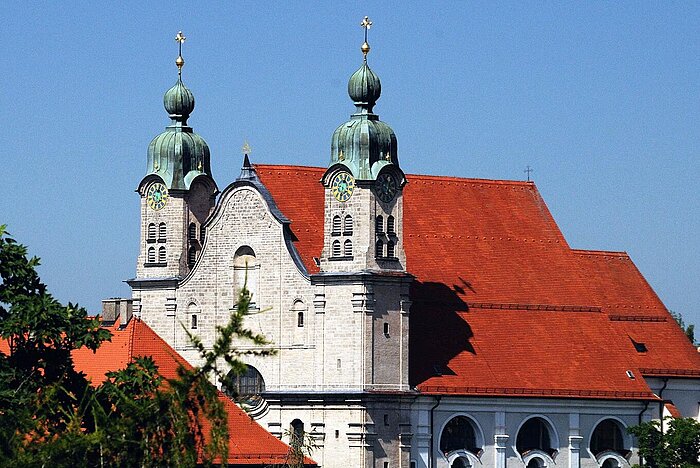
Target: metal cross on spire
(246, 149)
(366, 24)
(528, 170)
(179, 38)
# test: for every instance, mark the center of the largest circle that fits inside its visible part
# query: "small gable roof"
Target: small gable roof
(518, 312)
(249, 443)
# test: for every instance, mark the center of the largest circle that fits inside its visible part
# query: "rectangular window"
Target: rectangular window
(386, 419)
(193, 323)
(386, 328)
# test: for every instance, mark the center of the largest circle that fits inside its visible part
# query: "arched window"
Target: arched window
(379, 224)
(607, 436)
(347, 248)
(300, 319)
(379, 248)
(336, 249)
(390, 249)
(297, 433)
(336, 226)
(151, 255)
(535, 462)
(459, 434)
(161, 255)
(460, 463)
(162, 232)
(390, 225)
(347, 226)
(151, 235)
(245, 272)
(534, 435)
(192, 232)
(246, 386)
(191, 256)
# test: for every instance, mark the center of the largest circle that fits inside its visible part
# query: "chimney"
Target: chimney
(126, 311)
(110, 312)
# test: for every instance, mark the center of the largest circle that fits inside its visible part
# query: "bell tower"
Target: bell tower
(178, 192)
(363, 225)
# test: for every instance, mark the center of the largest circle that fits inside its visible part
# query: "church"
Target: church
(418, 321)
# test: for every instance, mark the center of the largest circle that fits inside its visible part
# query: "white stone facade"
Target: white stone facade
(343, 370)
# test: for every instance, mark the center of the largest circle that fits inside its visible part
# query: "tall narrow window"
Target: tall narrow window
(191, 256)
(192, 232)
(151, 236)
(246, 271)
(161, 255)
(193, 322)
(379, 248)
(300, 319)
(379, 224)
(336, 225)
(390, 225)
(347, 248)
(162, 232)
(347, 226)
(151, 255)
(336, 248)
(390, 248)
(297, 431)
(202, 234)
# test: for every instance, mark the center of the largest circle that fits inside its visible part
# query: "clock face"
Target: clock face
(157, 196)
(386, 187)
(342, 186)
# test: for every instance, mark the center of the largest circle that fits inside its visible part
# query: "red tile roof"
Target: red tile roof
(519, 311)
(249, 443)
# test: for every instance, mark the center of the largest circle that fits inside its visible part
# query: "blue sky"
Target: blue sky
(602, 99)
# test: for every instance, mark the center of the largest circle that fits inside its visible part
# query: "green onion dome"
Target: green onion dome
(364, 88)
(178, 155)
(364, 144)
(179, 101)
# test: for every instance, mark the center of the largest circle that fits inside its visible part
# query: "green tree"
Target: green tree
(51, 416)
(677, 447)
(689, 330)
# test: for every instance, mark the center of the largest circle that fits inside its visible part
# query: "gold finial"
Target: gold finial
(341, 156)
(156, 166)
(246, 148)
(387, 156)
(179, 61)
(199, 166)
(366, 24)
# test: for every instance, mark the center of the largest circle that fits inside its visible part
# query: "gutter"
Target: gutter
(661, 404)
(431, 463)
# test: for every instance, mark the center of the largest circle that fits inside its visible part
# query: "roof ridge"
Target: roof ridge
(602, 253)
(522, 183)
(130, 342)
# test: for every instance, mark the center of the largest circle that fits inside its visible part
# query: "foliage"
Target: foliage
(50, 415)
(689, 330)
(677, 447)
(301, 445)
